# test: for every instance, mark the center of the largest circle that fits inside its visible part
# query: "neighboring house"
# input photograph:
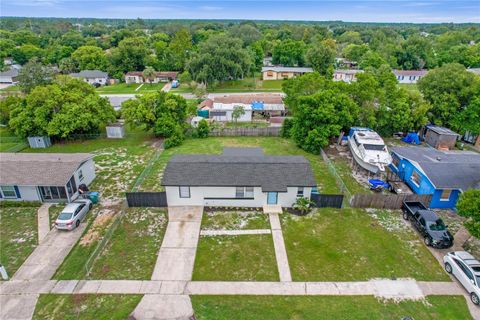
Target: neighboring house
(345, 63)
(444, 174)
(409, 76)
(280, 73)
(240, 177)
(439, 137)
(9, 76)
(160, 76)
(346, 75)
(116, 100)
(267, 104)
(472, 138)
(45, 177)
(92, 76)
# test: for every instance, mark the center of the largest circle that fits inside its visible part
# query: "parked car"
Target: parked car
(73, 214)
(467, 270)
(435, 233)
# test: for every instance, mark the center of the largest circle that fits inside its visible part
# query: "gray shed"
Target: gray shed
(115, 130)
(39, 142)
(440, 137)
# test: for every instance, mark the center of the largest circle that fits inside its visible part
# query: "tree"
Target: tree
(321, 57)
(8, 104)
(237, 113)
(354, 52)
(67, 107)
(220, 58)
(248, 33)
(289, 53)
(90, 58)
(149, 73)
(33, 74)
(164, 113)
(203, 129)
(305, 85)
(130, 55)
(72, 39)
(468, 206)
(26, 52)
(55, 53)
(68, 65)
(179, 49)
(371, 59)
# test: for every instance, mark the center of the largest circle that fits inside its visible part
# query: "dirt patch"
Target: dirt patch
(101, 222)
(472, 245)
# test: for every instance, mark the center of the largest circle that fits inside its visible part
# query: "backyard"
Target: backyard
(356, 245)
(244, 85)
(18, 235)
(9, 142)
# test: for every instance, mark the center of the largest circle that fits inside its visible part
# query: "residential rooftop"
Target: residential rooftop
(90, 74)
(442, 130)
(248, 167)
(287, 69)
(266, 98)
(410, 72)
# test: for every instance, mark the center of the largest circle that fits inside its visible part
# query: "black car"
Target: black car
(435, 233)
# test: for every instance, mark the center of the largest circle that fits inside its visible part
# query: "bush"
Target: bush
(468, 206)
(203, 130)
(174, 140)
(287, 126)
(303, 205)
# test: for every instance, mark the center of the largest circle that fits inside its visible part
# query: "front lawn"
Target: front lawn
(214, 145)
(352, 245)
(151, 87)
(132, 250)
(326, 307)
(18, 236)
(119, 88)
(235, 258)
(234, 220)
(85, 306)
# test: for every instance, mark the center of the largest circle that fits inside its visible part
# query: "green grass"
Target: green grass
(151, 87)
(85, 306)
(118, 88)
(18, 236)
(351, 245)
(132, 251)
(247, 124)
(247, 85)
(235, 220)
(325, 307)
(345, 171)
(412, 87)
(13, 88)
(54, 211)
(236, 258)
(272, 85)
(214, 145)
(9, 142)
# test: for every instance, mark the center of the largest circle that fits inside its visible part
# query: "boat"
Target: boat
(368, 149)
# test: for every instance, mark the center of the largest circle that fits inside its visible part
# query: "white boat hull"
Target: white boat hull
(372, 167)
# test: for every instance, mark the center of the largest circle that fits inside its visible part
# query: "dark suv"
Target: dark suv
(430, 226)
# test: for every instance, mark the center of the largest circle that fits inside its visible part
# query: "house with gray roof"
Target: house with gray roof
(93, 77)
(280, 73)
(45, 177)
(9, 76)
(240, 177)
(443, 174)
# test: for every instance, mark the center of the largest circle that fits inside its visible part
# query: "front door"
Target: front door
(272, 198)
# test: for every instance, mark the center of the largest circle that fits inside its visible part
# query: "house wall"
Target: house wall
(88, 170)
(247, 117)
(27, 193)
(133, 79)
(438, 203)
(408, 79)
(101, 81)
(225, 196)
(274, 75)
(440, 140)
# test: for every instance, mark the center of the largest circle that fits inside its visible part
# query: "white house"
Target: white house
(45, 177)
(346, 75)
(280, 73)
(240, 177)
(9, 76)
(92, 76)
(159, 76)
(409, 76)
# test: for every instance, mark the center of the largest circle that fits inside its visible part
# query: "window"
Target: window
(269, 73)
(244, 192)
(184, 192)
(445, 196)
(80, 175)
(376, 147)
(300, 192)
(416, 178)
(422, 221)
(395, 161)
(8, 192)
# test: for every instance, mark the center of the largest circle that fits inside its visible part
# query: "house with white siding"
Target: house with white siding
(9, 76)
(93, 77)
(158, 76)
(346, 75)
(45, 177)
(280, 73)
(239, 177)
(409, 76)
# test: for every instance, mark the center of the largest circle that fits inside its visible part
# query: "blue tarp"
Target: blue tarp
(257, 105)
(353, 129)
(412, 138)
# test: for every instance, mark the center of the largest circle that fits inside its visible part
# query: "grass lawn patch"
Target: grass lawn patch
(151, 87)
(352, 245)
(132, 250)
(272, 85)
(118, 88)
(9, 142)
(85, 306)
(234, 220)
(18, 236)
(345, 171)
(247, 85)
(412, 87)
(236, 258)
(247, 124)
(54, 211)
(13, 88)
(214, 145)
(325, 307)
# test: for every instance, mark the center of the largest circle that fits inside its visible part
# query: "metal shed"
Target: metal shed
(440, 137)
(115, 130)
(39, 142)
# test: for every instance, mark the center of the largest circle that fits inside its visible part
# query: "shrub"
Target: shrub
(468, 206)
(303, 205)
(203, 130)
(287, 126)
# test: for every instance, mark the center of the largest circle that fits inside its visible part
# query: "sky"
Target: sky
(420, 11)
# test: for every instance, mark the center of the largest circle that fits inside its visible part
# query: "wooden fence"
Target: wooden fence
(147, 199)
(246, 131)
(387, 201)
(327, 200)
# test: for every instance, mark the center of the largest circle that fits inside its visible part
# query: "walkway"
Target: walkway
(43, 221)
(280, 251)
(175, 262)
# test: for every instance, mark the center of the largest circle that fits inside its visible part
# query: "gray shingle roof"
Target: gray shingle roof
(442, 130)
(90, 74)
(9, 73)
(287, 69)
(239, 167)
(445, 169)
(39, 169)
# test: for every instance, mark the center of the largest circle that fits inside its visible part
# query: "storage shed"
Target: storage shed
(39, 142)
(440, 138)
(115, 130)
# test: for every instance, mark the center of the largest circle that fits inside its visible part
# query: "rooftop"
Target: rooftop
(287, 69)
(267, 98)
(445, 169)
(9, 73)
(410, 72)
(239, 167)
(442, 130)
(39, 169)
(90, 74)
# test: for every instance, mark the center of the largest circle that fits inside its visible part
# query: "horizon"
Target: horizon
(408, 11)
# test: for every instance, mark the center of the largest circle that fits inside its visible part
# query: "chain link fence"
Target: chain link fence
(343, 188)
